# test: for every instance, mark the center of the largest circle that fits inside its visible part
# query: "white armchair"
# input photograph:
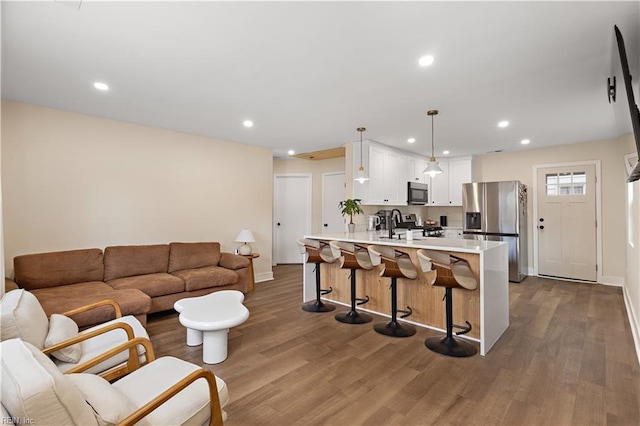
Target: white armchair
(22, 317)
(167, 391)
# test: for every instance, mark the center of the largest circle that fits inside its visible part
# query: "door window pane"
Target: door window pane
(567, 183)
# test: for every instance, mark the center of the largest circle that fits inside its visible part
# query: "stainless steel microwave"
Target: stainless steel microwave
(417, 193)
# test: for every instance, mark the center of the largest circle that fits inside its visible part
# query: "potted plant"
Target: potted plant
(350, 207)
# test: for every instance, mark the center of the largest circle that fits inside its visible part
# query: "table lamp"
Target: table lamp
(245, 236)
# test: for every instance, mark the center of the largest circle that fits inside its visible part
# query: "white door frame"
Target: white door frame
(598, 194)
(344, 195)
(308, 199)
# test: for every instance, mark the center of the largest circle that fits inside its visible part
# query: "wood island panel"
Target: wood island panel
(425, 300)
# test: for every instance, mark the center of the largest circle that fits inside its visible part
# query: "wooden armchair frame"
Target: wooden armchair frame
(133, 364)
(116, 308)
(214, 400)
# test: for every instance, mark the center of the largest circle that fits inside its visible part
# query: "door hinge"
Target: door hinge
(596, 268)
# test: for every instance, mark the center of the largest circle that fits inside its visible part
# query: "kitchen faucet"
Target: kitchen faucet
(393, 217)
(391, 221)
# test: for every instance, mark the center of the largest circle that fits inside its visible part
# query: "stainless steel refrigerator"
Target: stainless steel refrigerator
(497, 211)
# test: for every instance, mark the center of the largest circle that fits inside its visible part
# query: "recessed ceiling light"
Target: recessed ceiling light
(291, 152)
(411, 140)
(503, 123)
(247, 123)
(445, 152)
(100, 86)
(525, 141)
(426, 60)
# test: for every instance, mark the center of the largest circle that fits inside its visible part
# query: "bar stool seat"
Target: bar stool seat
(395, 264)
(352, 256)
(317, 252)
(449, 271)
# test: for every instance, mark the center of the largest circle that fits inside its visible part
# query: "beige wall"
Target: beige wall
(519, 166)
(316, 168)
(74, 181)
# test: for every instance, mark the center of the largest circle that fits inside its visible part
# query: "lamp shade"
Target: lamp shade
(433, 168)
(361, 176)
(245, 236)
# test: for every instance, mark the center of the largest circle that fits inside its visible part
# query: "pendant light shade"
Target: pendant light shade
(432, 166)
(360, 175)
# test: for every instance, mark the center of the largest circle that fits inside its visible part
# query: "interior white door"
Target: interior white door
(566, 223)
(292, 204)
(333, 191)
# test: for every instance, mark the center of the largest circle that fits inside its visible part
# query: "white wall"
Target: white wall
(632, 279)
(73, 181)
(316, 168)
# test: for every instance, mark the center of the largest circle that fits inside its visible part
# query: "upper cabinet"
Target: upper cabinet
(415, 168)
(390, 169)
(387, 184)
(446, 188)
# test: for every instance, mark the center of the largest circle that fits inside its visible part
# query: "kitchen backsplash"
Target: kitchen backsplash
(454, 214)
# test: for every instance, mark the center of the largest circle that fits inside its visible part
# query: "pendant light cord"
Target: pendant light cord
(361, 129)
(432, 150)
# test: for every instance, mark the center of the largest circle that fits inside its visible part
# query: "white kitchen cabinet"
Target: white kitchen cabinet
(459, 172)
(386, 167)
(446, 188)
(439, 188)
(395, 179)
(415, 170)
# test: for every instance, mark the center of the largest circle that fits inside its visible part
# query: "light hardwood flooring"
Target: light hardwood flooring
(566, 358)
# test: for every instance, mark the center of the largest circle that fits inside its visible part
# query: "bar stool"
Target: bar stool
(396, 264)
(449, 272)
(318, 252)
(352, 257)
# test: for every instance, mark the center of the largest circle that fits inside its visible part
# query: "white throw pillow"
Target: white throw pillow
(23, 318)
(110, 406)
(62, 328)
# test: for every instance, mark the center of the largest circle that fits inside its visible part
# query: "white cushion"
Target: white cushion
(190, 406)
(109, 404)
(33, 388)
(62, 328)
(98, 345)
(24, 318)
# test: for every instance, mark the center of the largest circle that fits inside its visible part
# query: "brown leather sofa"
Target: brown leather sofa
(142, 279)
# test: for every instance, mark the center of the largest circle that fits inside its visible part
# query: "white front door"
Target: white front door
(333, 191)
(292, 216)
(566, 223)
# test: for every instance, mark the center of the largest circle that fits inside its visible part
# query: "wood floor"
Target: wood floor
(567, 358)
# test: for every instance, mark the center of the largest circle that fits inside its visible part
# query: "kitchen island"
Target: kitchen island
(486, 308)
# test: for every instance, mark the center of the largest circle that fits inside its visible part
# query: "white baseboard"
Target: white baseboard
(633, 322)
(264, 276)
(613, 281)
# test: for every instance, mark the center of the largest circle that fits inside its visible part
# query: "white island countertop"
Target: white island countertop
(433, 243)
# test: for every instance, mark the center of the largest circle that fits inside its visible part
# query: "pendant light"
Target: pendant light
(361, 176)
(432, 166)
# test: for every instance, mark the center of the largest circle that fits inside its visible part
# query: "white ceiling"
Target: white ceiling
(309, 73)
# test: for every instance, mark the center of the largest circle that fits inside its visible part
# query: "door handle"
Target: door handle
(326, 224)
(541, 227)
(278, 223)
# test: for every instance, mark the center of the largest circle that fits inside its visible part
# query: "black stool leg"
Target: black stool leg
(318, 305)
(353, 316)
(450, 345)
(393, 328)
